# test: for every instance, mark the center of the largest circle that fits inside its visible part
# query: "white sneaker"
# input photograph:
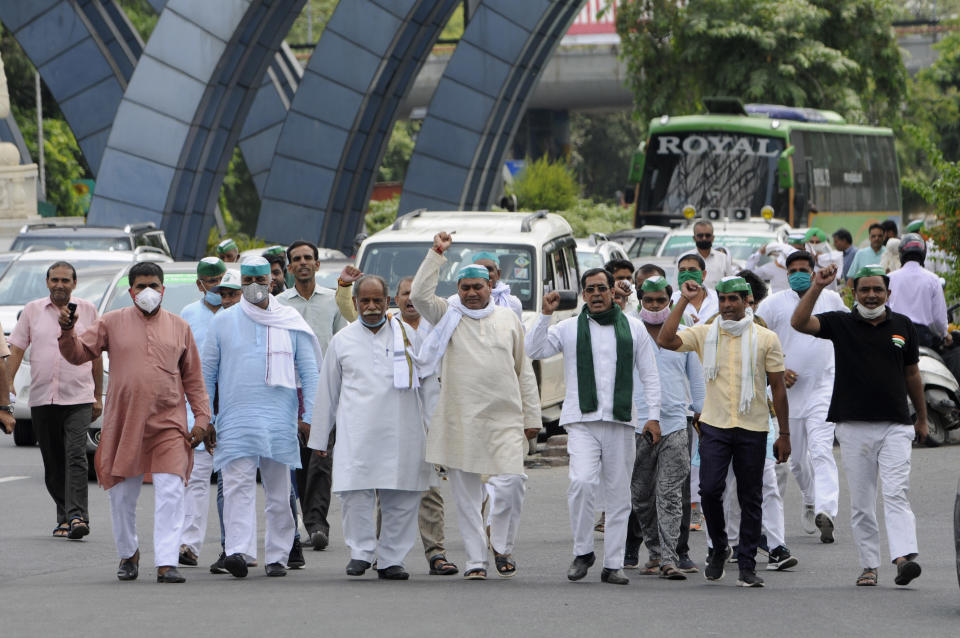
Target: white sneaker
(808, 519)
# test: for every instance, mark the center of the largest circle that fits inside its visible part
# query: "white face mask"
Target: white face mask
(255, 293)
(148, 300)
(655, 317)
(870, 313)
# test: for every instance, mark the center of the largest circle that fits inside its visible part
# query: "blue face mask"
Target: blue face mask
(212, 298)
(799, 281)
(383, 320)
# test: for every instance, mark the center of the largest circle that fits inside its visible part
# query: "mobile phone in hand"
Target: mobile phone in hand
(72, 307)
(648, 435)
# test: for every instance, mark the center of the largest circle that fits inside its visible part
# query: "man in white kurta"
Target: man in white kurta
(809, 380)
(488, 397)
(368, 388)
(600, 437)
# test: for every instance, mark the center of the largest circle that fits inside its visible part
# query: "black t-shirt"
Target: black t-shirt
(869, 384)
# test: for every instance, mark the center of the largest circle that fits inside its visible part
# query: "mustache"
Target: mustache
(372, 313)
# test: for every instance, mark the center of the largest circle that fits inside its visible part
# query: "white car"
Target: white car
(597, 250)
(739, 239)
(537, 254)
(640, 243)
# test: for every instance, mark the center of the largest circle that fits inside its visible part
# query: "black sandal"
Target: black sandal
(78, 529)
(506, 566)
(440, 566)
(61, 530)
(477, 573)
(867, 578)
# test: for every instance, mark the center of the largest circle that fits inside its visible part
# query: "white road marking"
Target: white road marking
(7, 479)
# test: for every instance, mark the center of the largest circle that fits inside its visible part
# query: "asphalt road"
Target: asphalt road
(53, 586)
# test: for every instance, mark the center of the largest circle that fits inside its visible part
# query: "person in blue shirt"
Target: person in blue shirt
(256, 353)
(661, 469)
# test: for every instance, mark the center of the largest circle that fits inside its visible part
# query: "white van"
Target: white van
(537, 254)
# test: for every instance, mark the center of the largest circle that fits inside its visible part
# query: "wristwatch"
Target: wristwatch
(7, 408)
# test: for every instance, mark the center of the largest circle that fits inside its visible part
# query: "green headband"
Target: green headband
(654, 284)
(227, 244)
(255, 266)
(211, 267)
(873, 270)
(815, 232)
(733, 284)
(915, 226)
(473, 271)
(487, 255)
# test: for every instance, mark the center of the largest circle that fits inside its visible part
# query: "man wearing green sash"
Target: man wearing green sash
(602, 348)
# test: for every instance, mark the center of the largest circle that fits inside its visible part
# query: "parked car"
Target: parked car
(145, 237)
(641, 242)
(537, 254)
(330, 270)
(597, 250)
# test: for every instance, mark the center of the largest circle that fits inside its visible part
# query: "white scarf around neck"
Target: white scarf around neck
(432, 350)
(747, 331)
(406, 373)
(280, 320)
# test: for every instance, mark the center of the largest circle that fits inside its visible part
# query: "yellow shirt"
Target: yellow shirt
(720, 409)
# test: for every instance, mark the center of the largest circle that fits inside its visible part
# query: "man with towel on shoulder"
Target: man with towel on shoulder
(255, 353)
(488, 396)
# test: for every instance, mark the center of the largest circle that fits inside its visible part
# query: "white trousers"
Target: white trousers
(167, 517)
(772, 512)
(504, 506)
(196, 502)
(812, 462)
(240, 508)
(398, 525)
(602, 455)
(694, 469)
(869, 451)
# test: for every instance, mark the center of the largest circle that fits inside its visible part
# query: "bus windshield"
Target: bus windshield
(709, 170)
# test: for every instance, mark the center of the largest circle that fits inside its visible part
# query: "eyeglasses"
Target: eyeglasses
(596, 288)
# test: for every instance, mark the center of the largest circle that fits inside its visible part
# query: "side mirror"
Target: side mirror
(636, 165)
(568, 300)
(785, 167)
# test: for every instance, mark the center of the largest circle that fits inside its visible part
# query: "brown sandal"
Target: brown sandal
(650, 568)
(670, 572)
(867, 578)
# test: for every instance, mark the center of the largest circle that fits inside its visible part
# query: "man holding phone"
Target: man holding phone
(603, 350)
(64, 398)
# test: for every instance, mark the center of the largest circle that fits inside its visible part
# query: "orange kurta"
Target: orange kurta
(153, 362)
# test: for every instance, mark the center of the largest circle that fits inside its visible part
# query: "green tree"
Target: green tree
(793, 52)
(393, 167)
(546, 185)
(601, 147)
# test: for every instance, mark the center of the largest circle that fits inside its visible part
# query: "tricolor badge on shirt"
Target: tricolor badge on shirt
(898, 341)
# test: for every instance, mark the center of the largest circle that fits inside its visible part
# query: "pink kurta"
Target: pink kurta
(153, 362)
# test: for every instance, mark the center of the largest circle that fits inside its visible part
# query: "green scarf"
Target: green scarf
(623, 381)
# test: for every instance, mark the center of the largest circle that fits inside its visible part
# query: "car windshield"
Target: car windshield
(179, 290)
(393, 262)
(328, 279)
(72, 242)
(92, 287)
(589, 259)
(709, 170)
(740, 247)
(25, 281)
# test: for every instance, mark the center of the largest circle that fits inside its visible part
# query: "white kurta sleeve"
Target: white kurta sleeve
(327, 399)
(529, 392)
(423, 290)
(543, 340)
(645, 363)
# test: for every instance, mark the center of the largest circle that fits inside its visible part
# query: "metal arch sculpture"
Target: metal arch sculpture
(182, 114)
(340, 120)
(85, 51)
(478, 103)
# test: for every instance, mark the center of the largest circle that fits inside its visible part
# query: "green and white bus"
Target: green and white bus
(809, 165)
